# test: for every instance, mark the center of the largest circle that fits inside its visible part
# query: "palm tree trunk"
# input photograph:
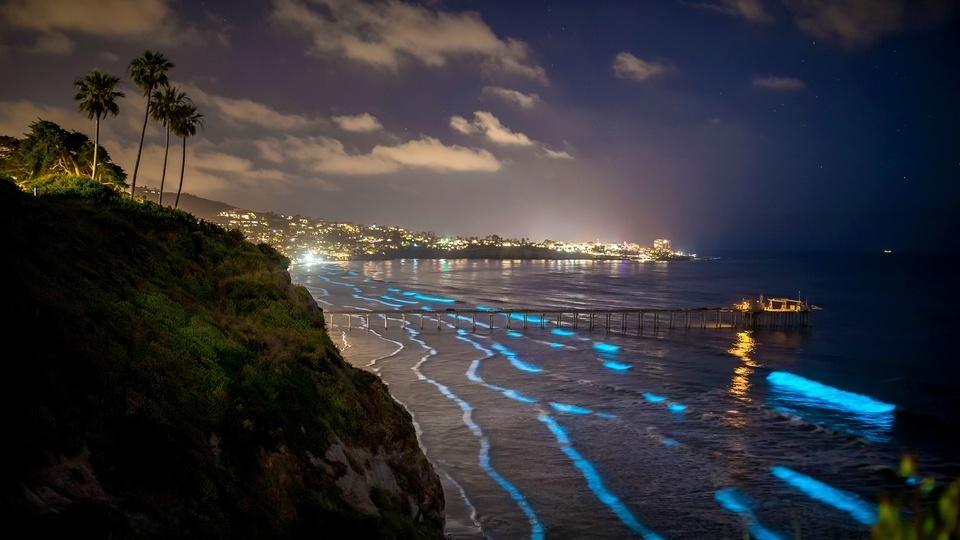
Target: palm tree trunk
(163, 176)
(183, 163)
(96, 148)
(143, 131)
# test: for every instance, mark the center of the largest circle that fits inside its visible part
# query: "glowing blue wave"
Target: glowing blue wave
(654, 398)
(595, 481)
(570, 409)
(734, 501)
(561, 332)
(608, 348)
(429, 298)
(392, 299)
(531, 319)
(828, 396)
(513, 394)
(345, 284)
(515, 360)
(487, 308)
(514, 334)
(555, 345)
(475, 377)
(850, 503)
(395, 290)
(367, 298)
(616, 366)
(536, 527)
(677, 407)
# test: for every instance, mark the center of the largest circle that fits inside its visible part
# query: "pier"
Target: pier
(622, 321)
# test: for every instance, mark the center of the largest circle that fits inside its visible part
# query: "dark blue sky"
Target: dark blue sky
(737, 124)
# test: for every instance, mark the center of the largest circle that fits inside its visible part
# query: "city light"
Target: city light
(318, 240)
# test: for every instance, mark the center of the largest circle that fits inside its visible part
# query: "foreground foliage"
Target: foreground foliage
(162, 377)
(48, 149)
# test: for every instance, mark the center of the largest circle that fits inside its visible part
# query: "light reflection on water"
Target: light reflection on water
(743, 349)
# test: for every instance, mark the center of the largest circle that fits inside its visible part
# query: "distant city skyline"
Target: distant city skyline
(723, 125)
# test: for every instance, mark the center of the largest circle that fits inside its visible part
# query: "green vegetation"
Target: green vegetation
(925, 511)
(162, 377)
(49, 150)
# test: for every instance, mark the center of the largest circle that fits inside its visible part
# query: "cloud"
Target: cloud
(526, 101)
(556, 154)
(430, 153)
(328, 155)
(779, 84)
(492, 129)
(51, 43)
(247, 111)
(752, 10)
(360, 123)
(489, 126)
(851, 23)
(863, 22)
(53, 20)
(628, 66)
(16, 116)
(462, 125)
(209, 170)
(385, 34)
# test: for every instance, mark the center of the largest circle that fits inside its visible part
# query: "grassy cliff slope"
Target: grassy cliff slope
(162, 377)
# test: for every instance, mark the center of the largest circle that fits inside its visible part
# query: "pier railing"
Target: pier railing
(624, 321)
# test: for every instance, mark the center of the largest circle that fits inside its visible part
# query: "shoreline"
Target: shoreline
(361, 351)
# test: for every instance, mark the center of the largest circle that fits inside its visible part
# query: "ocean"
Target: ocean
(681, 433)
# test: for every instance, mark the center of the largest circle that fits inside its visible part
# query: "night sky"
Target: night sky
(780, 125)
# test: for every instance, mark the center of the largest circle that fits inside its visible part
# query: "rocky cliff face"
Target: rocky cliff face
(164, 378)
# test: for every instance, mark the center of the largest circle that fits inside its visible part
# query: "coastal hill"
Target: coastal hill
(300, 237)
(164, 378)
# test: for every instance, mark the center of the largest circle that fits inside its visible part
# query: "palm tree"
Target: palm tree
(148, 71)
(167, 102)
(185, 124)
(97, 96)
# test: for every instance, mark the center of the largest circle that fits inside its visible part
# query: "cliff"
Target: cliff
(163, 378)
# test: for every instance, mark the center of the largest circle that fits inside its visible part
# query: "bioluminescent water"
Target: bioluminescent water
(570, 409)
(429, 298)
(839, 409)
(515, 360)
(541, 430)
(677, 407)
(736, 502)
(529, 319)
(827, 396)
(398, 300)
(862, 511)
(654, 398)
(606, 347)
(616, 366)
(595, 481)
(536, 527)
